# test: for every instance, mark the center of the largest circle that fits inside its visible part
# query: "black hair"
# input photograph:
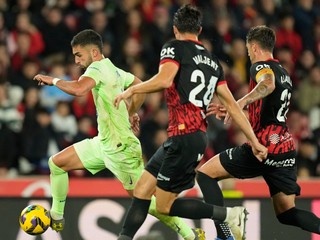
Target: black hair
(87, 37)
(188, 19)
(264, 36)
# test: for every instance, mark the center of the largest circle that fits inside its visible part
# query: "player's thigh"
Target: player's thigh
(240, 162)
(283, 202)
(127, 165)
(214, 169)
(280, 174)
(91, 154)
(165, 200)
(146, 186)
(67, 159)
(182, 156)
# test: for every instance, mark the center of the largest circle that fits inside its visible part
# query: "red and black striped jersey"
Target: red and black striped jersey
(193, 87)
(268, 115)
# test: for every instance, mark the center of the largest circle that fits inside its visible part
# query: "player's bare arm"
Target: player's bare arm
(133, 105)
(163, 79)
(265, 86)
(76, 88)
(239, 117)
(136, 100)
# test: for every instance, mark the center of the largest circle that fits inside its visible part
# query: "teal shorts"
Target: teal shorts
(126, 162)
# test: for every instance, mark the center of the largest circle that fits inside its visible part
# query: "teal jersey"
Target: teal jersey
(113, 124)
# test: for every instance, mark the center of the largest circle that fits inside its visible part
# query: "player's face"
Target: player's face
(82, 56)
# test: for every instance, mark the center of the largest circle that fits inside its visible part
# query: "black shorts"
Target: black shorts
(175, 161)
(279, 171)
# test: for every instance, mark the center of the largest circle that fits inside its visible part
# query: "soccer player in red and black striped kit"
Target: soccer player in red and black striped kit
(190, 77)
(268, 103)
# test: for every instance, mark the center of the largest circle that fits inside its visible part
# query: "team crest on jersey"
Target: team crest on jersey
(167, 53)
(274, 138)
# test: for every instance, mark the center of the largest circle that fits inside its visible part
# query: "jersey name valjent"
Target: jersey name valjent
(193, 87)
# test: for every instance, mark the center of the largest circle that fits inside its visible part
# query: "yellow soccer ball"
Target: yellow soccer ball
(34, 219)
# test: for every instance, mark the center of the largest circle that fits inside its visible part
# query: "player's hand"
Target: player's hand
(228, 119)
(216, 109)
(260, 151)
(135, 123)
(43, 79)
(122, 96)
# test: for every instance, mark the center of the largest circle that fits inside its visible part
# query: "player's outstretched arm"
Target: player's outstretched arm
(163, 79)
(239, 117)
(77, 87)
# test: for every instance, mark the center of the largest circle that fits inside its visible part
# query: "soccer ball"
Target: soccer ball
(34, 219)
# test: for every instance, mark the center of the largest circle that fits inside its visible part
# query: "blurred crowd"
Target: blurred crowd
(35, 35)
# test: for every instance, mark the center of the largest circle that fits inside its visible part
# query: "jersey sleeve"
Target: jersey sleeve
(170, 52)
(221, 78)
(259, 69)
(94, 72)
(126, 76)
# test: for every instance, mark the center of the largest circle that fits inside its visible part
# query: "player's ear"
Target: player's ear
(95, 52)
(200, 30)
(175, 30)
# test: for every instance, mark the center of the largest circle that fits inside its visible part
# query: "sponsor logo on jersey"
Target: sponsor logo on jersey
(260, 66)
(283, 163)
(167, 53)
(160, 177)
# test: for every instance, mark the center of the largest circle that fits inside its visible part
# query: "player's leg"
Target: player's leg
(177, 174)
(283, 187)
(287, 213)
(168, 203)
(129, 171)
(208, 176)
(84, 154)
(176, 223)
(138, 210)
(236, 162)
(59, 166)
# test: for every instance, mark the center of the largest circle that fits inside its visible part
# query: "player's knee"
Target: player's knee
(54, 169)
(163, 209)
(287, 216)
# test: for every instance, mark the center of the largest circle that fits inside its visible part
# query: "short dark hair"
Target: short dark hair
(188, 19)
(87, 37)
(264, 36)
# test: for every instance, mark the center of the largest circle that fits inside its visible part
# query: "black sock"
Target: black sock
(212, 194)
(196, 209)
(300, 218)
(135, 217)
(210, 189)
